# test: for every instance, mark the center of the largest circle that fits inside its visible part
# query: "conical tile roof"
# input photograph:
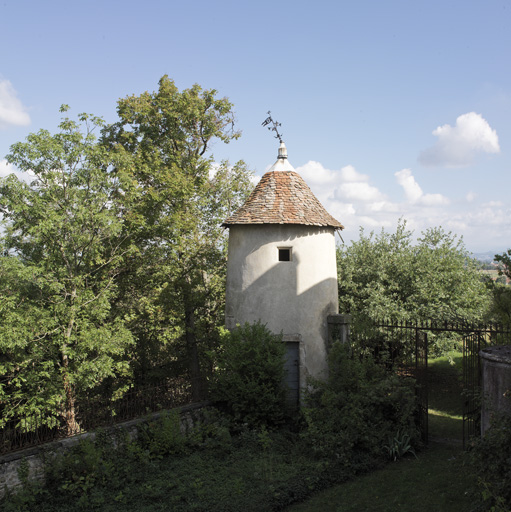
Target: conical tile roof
(283, 197)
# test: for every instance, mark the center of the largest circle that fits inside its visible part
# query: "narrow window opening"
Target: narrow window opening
(284, 254)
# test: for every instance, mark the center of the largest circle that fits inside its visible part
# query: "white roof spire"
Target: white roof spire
(282, 150)
(282, 163)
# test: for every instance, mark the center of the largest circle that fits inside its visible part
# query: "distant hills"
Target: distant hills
(485, 257)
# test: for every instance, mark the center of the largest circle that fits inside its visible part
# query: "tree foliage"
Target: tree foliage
(64, 245)
(113, 258)
(505, 263)
(490, 457)
(501, 292)
(352, 413)
(174, 285)
(387, 275)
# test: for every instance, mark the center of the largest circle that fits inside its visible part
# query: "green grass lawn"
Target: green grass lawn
(436, 481)
(445, 401)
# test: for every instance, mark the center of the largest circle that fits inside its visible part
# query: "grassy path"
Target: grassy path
(436, 481)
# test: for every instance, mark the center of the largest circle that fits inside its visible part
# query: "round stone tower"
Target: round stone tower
(282, 266)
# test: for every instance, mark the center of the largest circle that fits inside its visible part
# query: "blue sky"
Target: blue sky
(388, 109)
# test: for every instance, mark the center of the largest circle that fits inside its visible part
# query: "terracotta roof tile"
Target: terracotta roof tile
(283, 197)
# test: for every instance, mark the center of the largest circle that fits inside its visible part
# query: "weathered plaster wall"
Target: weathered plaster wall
(289, 297)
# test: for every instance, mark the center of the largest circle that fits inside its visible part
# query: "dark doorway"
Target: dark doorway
(292, 368)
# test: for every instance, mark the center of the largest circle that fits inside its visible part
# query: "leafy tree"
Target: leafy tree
(448, 282)
(63, 246)
(501, 292)
(505, 263)
(173, 286)
(388, 276)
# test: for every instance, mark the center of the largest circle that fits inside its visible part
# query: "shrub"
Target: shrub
(162, 436)
(249, 381)
(491, 459)
(80, 473)
(166, 435)
(352, 414)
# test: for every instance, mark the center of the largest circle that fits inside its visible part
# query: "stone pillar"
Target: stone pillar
(338, 328)
(496, 377)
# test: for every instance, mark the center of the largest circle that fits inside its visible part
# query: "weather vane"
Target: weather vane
(275, 126)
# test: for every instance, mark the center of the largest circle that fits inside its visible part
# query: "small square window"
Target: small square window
(284, 254)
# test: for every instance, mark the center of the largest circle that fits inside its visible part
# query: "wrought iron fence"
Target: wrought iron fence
(405, 345)
(96, 412)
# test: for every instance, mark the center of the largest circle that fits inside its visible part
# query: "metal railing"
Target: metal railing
(407, 342)
(95, 412)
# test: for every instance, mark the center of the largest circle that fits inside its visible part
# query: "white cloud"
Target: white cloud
(493, 204)
(350, 175)
(350, 197)
(314, 173)
(412, 189)
(414, 193)
(457, 146)
(484, 226)
(6, 168)
(434, 200)
(12, 111)
(354, 200)
(344, 184)
(359, 191)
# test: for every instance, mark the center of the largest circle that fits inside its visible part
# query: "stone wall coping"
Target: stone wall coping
(67, 442)
(339, 318)
(499, 354)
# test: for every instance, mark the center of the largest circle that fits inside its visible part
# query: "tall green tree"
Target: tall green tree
(505, 263)
(389, 275)
(64, 244)
(173, 286)
(501, 292)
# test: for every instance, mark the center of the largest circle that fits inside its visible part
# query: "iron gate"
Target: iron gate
(421, 376)
(391, 343)
(471, 384)
(385, 337)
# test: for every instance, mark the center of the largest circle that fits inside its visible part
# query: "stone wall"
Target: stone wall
(12, 464)
(496, 380)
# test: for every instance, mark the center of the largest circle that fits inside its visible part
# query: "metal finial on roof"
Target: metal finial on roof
(282, 150)
(274, 128)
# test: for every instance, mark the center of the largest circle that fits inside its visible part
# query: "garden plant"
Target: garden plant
(231, 459)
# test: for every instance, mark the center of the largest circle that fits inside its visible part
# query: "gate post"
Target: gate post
(421, 375)
(338, 328)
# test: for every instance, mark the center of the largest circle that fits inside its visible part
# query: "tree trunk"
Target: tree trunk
(192, 350)
(72, 425)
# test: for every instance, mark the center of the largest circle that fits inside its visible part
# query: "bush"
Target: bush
(491, 459)
(249, 381)
(81, 473)
(352, 414)
(162, 436)
(168, 436)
